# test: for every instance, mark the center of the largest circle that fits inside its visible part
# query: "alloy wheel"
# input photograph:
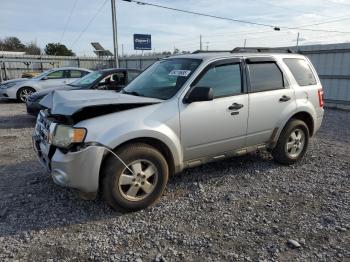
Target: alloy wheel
(25, 93)
(295, 143)
(140, 183)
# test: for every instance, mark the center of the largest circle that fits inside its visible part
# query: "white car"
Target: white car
(21, 88)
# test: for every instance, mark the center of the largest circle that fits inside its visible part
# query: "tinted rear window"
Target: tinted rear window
(301, 71)
(265, 76)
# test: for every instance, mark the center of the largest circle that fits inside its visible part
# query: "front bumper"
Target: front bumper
(3, 93)
(78, 170)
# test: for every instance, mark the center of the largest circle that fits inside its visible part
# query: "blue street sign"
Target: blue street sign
(142, 42)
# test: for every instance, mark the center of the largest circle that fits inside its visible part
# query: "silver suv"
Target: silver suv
(181, 112)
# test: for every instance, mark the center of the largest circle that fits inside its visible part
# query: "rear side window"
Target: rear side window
(301, 71)
(225, 80)
(265, 77)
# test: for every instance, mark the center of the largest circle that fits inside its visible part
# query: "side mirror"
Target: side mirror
(198, 94)
(45, 78)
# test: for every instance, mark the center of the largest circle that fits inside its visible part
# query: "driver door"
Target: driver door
(54, 79)
(210, 128)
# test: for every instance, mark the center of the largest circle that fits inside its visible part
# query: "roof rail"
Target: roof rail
(211, 51)
(262, 50)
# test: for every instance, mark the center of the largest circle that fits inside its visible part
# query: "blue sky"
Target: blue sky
(44, 21)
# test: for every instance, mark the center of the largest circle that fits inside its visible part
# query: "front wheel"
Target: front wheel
(24, 93)
(138, 182)
(292, 143)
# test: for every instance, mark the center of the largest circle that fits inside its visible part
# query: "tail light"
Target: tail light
(320, 97)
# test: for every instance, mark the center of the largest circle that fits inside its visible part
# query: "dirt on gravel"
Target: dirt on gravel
(242, 209)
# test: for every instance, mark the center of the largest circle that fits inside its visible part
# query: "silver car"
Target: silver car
(21, 88)
(181, 112)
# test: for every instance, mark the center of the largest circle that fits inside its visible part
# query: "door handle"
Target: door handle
(284, 98)
(235, 106)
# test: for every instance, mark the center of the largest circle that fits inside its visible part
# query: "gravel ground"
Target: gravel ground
(242, 209)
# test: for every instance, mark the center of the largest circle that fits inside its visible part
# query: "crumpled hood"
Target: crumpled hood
(45, 91)
(67, 103)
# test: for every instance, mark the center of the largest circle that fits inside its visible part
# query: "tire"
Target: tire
(23, 93)
(292, 143)
(120, 185)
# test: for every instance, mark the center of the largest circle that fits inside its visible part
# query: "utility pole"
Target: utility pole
(207, 45)
(298, 40)
(245, 43)
(115, 33)
(200, 43)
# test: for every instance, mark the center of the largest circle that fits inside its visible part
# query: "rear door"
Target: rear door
(210, 128)
(270, 98)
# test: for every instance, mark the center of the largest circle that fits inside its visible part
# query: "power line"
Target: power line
(328, 22)
(278, 6)
(68, 20)
(277, 28)
(336, 19)
(200, 14)
(89, 23)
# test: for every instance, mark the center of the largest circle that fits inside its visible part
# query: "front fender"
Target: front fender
(162, 133)
(159, 122)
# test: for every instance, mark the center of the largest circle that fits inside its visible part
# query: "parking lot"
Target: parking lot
(242, 209)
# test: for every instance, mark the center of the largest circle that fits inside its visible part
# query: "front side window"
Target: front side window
(56, 75)
(225, 80)
(87, 80)
(118, 78)
(43, 74)
(163, 79)
(301, 71)
(265, 76)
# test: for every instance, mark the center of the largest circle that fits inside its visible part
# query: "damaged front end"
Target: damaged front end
(60, 145)
(77, 166)
(75, 106)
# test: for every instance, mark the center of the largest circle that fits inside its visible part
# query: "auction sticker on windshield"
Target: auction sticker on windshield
(180, 73)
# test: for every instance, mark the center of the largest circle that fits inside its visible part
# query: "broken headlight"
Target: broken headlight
(64, 136)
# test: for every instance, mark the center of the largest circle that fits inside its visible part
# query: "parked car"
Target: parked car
(181, 112)
(107, 79)
(21, 88)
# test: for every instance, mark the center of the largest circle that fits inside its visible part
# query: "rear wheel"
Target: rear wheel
(292, 143)
(24, 93)
(140, 182)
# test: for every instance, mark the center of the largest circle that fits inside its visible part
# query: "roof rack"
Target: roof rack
(262, 50)
(211, 51)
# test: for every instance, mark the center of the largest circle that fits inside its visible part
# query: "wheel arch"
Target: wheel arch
(303, 115)
(151, 141)
(22, 87)
(307, 119)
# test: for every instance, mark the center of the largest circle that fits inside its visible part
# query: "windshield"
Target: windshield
(87, 80)
(163, 79)
(43, 74)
